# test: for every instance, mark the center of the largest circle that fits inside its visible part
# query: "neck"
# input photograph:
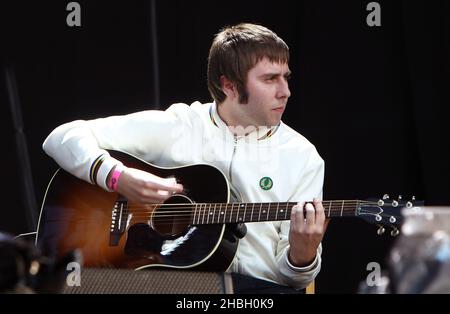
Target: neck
(232, 117)
(211, 213)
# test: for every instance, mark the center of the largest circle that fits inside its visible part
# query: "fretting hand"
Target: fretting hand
(308, 225)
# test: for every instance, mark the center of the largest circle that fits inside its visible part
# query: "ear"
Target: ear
(228, 87)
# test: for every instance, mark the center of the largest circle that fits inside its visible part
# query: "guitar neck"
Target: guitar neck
(219, 213)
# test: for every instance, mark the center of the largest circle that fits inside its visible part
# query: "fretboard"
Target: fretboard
(219, 213)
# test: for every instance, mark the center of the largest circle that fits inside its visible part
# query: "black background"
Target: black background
(372, 99)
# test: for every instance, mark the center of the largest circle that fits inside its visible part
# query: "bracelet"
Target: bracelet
(112, 184)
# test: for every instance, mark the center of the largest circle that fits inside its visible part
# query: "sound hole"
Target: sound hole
(173, 218)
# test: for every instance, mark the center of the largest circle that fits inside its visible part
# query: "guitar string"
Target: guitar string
(190, 222)
(168, 216)
(169, 208)
(202, 208)
(203, 216)
(202, 211)
(221, 220)
(325, 203)
(222, 216)
(239, 205)
(234, 212)
(186, 220)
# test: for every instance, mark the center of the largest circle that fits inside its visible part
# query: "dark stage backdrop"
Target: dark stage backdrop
(372, 99)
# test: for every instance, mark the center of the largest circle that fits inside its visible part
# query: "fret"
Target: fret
(198, 214)
(208, 214)
(253, 207)
(218, 214)
(342, 207)
(214, 213)
(215, 208)
(211, 213)
(268, 210)
(286, 212)
(214, 216)
(276, 213)
(238, 218)
(259, 216)
(329, 209)
(231, 214)
(237, 215)
(203, 216)
(195, 210)
(225, 213)
(245, 211)
(281, 211)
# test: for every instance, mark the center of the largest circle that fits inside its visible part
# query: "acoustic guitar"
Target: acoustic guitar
(194, 230)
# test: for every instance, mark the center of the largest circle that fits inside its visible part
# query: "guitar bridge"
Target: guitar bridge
(119, 220)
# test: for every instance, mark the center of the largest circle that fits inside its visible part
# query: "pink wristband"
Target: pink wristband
(112, 184)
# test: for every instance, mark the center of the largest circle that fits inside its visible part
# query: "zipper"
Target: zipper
(232, 158)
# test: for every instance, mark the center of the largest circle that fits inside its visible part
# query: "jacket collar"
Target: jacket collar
(254, 136)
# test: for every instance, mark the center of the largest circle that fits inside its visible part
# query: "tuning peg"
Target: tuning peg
(392, 219)
(409, 205)
(413, 198)
(380, 203)
(394, 203)
(395, 232)
(385, 196)
(381, 230)
(399, 197)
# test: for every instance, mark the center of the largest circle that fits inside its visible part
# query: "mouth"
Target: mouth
(278, 109)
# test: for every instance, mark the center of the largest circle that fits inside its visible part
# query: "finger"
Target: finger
(297, 216)
(151, 181)
(320, 212)
(151, 196)
(310, 216)
(173, 182)
(164, 186)
(163, 193)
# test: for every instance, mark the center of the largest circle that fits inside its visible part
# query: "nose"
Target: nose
(283, 89)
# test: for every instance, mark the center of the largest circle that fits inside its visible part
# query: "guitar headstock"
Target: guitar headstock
(386, 212)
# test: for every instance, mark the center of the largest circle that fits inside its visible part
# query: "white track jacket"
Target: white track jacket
(267, 165)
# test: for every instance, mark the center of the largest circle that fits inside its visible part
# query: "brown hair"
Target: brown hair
(235, 50)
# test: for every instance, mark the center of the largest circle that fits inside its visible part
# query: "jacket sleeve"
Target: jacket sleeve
(79, 147)
(310, 186)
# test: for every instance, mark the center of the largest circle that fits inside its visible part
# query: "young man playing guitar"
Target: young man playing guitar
(241, 134)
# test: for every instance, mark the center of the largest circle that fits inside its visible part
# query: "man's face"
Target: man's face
(268, 92)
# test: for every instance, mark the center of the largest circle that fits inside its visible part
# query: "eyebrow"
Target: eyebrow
(275, 74)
